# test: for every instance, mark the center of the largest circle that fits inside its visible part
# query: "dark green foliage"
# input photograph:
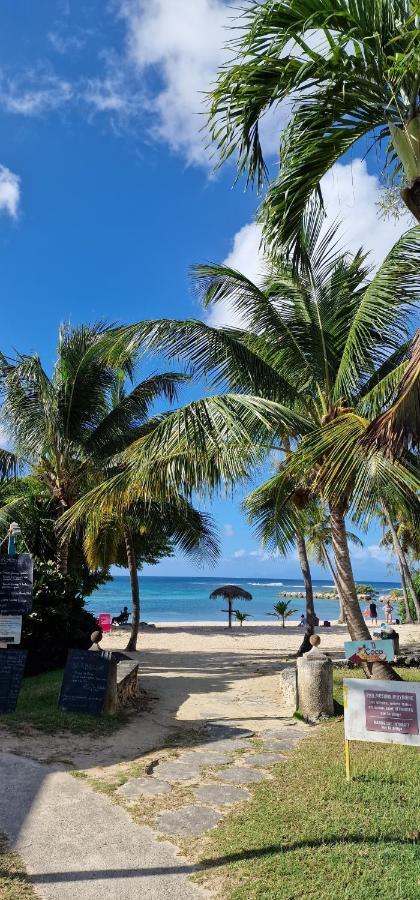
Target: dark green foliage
(58, 619)
(367, 589)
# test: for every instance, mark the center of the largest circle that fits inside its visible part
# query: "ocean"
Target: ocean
(187, 599)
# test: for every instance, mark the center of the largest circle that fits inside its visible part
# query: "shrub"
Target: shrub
(58, 619)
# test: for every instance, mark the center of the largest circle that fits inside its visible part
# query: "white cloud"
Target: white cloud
(350, 194)
(239, 554)
(371, 552)
(34, 93)
(9, 192)
(246, 257)
(180, 44)
(228, 530)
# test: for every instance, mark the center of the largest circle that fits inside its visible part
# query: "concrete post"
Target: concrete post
(315, 687)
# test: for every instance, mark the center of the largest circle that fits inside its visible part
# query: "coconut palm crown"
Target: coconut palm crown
(345, 71)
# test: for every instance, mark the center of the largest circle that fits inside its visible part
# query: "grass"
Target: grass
(14, 882)
(38, 707)
(308, 834)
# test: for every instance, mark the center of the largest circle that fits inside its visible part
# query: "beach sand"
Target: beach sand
(195, 674)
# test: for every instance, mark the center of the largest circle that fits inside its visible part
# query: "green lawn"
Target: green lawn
(38, 707)
(308, 834)
(14, 883)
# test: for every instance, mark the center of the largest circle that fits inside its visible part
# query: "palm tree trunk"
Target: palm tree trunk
(309, 594)
(408, 616)
(402, 560)
(63, 555)
(307, 579)
(135, 592)
(335, 580)
(230, 612)
(353, 614)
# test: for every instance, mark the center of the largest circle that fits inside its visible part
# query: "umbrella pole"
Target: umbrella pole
(230, 613)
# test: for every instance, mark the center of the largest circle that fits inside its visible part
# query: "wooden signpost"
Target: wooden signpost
(382, 712)
(87, 682)
(16, 586)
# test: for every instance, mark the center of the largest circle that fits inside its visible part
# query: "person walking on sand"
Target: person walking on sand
(388, 612)
(373, 613)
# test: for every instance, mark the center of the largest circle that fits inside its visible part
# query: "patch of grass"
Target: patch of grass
(14, 882)
(38, 707)
(307, 833)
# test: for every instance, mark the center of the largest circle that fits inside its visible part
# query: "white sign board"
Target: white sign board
(10, 629)
(382, 711)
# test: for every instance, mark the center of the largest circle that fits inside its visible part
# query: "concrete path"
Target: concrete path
(76, 844)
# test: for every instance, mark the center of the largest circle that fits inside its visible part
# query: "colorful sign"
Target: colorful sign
(382, 711)
(369, 651)
(105, 622)
(10, 629)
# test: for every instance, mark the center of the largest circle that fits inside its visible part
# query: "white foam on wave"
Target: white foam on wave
(266, 584)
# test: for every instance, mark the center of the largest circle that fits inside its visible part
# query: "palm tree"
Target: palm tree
(282, 611)
(68, 426)
(319, 543)
(347, 70)
(231, 592)
(145, 534)
(241, 617)
(328, 346)
(403, 537)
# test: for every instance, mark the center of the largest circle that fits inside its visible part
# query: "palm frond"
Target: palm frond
(398, 429)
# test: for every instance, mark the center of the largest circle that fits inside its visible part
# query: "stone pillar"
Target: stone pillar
(315, 687)
(288, 686)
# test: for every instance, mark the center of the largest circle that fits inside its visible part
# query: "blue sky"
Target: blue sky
(107, 195)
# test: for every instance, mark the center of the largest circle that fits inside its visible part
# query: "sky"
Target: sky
(108, 193)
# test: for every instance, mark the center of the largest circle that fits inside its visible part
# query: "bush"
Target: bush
(58, 619)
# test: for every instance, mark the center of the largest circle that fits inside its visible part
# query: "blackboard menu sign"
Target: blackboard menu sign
(12, 667)
(16, 580)
(85, 682)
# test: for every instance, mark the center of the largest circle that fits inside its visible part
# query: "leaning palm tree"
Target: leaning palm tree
(330, 347)
(347, 71)
(145, 534)
(230, 592)
(319, 541)
(282, 611)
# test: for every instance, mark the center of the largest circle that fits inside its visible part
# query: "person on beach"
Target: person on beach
(388, 612)
(302, 622)
(373, 613)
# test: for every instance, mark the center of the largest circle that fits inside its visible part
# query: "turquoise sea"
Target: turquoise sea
(187, 599)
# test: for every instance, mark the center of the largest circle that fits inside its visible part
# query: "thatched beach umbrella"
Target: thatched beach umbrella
(230, 592)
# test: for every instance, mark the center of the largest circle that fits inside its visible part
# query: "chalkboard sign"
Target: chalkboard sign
(16, 579)
(85, 682)
(12, 666)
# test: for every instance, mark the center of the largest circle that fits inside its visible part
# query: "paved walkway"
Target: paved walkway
(75, 843)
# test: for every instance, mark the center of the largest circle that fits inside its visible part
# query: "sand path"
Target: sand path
(216, 694)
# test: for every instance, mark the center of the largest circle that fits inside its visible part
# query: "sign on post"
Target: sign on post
(12, 667)
(105, 622)
(369, 651)
(87, 681)
(382, 712)
(16, 580)
(10, 629)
